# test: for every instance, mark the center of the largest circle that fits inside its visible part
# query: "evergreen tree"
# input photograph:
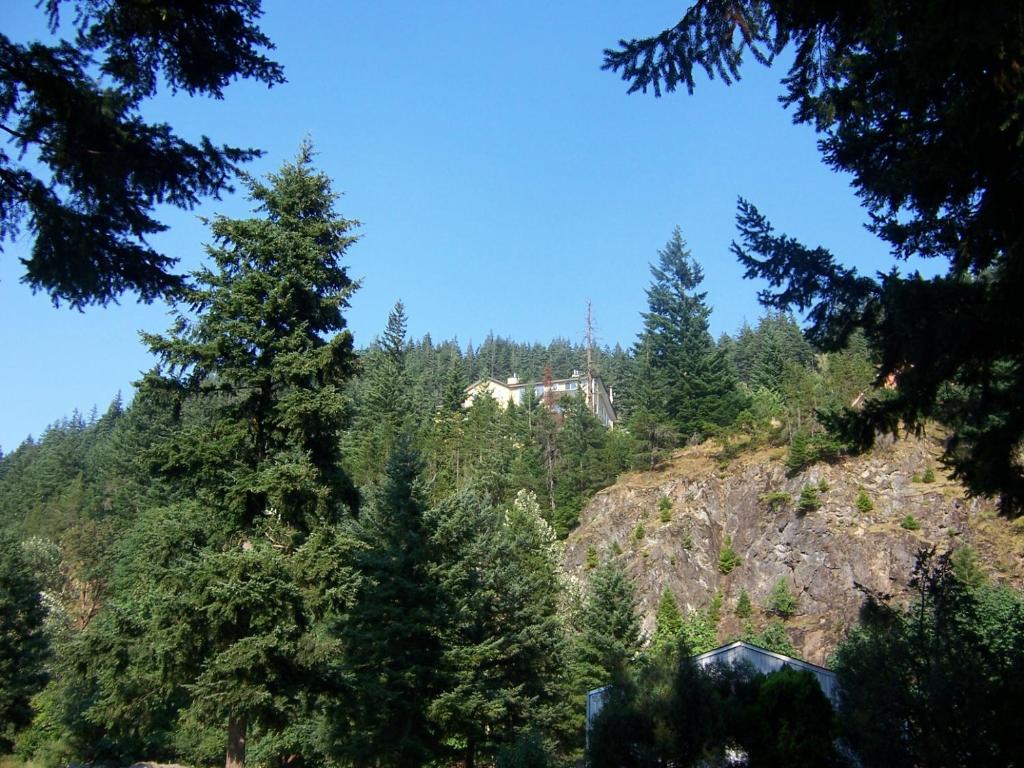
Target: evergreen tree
(23, 644)
(74, 109)
(951, 343)
(743, 604)
(385, 408)
(781, 601)
(940, 681)
(220, 591)
(390, 634)
(668, 625)
(502, 636)
(609, 637)
(691, 382)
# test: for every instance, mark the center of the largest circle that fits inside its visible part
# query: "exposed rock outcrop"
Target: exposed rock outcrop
(823, 553)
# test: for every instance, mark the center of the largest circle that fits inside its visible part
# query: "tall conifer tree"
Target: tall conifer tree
(689, 380)
(390, 634)
(609, 636)
(226, 585)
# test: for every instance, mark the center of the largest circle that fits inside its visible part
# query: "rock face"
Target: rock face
(823, 553)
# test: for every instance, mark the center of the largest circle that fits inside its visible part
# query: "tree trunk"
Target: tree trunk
(235, 755)
(470, 752)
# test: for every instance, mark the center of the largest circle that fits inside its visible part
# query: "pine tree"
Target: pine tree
(502, 636)
(23, 644)
(385, 408)
(668, 625)
(949, 343)
(743, 605)
(223, 587)
(390, 634)
(781, 600)
(692, 385)
(609, 637)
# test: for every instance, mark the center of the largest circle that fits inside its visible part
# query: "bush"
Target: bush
(665, 509)
(776, 500)
(805, 450)
(727, 557)
(823, 485)
(639, 532)
(782, 602)
(910, 523)
(809, 501)
(929, 476)
(591, 558)
(863, 502)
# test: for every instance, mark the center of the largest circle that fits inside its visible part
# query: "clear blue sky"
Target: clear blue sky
(501, 177)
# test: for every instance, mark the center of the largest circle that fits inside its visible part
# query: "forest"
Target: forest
(291, 547)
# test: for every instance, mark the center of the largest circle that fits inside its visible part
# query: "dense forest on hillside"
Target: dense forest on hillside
(276, 520)
(296, 548)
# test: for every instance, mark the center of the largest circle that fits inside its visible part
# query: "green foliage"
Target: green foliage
(809, 500)
(965, 567)
(773, 637)
(910, 523)
(24, 646)
(591, 560)
(665, 509)
(938, 682)
(789, 722)
(686, 542)
(801, 454)
(781, 600)
(220, 596)
(727, 557)
(863, 502)
(668, 625)
(86, 171)
(776, 500)
(504, 653)
(683, 379)
(527, 751)
(715, 607)
(699, 633)
(686, 716)
(383, 408)
(390, 632)
(609, 636)
(807, 449)
(928, 476)
(639, 531)
(743, 605)
(823, 485)
(847, 80)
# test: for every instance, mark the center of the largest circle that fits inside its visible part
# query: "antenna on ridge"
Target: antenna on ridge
(589, 334)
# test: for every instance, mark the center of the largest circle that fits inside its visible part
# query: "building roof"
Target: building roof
(766, 662)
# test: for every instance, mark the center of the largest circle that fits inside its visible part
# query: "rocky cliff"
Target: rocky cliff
(822, 552)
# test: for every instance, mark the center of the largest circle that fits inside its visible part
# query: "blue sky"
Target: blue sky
(501, 178)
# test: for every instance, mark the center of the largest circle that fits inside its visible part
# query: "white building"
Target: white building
(512, 390)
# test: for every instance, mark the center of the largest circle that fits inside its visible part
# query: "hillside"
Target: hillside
(824, 553)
